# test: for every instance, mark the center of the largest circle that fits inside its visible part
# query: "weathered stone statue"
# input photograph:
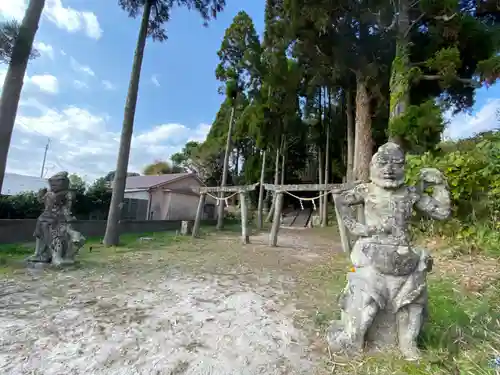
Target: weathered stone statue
(56, 241)
(385, 300)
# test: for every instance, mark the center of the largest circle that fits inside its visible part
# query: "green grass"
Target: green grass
(461, 336)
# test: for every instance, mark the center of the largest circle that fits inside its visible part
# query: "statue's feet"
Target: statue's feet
(38, 259)
(410, 352)
(57, 261)
(341, 342)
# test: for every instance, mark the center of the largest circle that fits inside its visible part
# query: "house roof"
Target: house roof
(146, 182)
(14, 183)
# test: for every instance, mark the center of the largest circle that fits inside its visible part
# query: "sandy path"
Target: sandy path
(153, 321)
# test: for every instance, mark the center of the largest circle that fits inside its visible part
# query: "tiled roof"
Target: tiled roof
(145, 182)
(14, 183)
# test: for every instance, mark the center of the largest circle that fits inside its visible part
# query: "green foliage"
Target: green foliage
(9, 33)
(161, 10)
(446, 63)
(472, 168)
(88, 201)
(420, 127)
(161, 167)
(77, 183)
(184, 158)
(21, 206)
(239, 56)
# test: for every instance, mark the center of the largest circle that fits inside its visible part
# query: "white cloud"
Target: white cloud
(12, 9)
(82, 141)
(63, 17)
(44, 49)
(62, 52)
(108, 85)
(79, 68)
(46, 83)
(80, 84)
(155, 81)
(464, 125)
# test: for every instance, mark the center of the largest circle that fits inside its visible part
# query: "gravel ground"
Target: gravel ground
(149, 321)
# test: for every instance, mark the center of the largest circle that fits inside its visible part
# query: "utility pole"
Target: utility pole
(44, 157)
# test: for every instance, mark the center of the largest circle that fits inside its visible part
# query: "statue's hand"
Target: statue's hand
(431, 176)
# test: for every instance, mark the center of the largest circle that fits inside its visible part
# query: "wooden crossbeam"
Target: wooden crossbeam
(227, 189)
(334, 188)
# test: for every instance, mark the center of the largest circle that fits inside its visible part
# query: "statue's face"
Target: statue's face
(59, 184)
(387, 168)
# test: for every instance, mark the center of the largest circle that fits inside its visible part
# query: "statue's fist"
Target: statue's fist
(431, 176)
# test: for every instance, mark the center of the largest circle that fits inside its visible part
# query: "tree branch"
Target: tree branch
(414, 23)
(445, 18)
(465, 81)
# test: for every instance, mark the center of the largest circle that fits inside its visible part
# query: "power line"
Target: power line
(44, 158)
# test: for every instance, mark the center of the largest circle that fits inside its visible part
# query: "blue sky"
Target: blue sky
(74, 93)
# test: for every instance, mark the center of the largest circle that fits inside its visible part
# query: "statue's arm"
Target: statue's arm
(344, 202)
(42, 193)
(68, 206)
(437, 205)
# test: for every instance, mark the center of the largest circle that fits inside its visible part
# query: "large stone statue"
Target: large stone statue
(56, 241)
(385, 300)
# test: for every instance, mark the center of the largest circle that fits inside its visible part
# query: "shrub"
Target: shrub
(472, 168)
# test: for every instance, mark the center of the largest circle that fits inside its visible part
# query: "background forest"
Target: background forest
(313, 98)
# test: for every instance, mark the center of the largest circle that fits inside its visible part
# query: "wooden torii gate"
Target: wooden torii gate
(334, 189)
(243, 193)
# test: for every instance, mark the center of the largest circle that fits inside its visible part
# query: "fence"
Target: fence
(14, 231)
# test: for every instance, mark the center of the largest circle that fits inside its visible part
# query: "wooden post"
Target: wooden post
(260, 219)
(273, 236)
(244, 218)
(199, 214)
(344, 236)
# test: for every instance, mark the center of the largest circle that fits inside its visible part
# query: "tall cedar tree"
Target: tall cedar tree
(238, 69)
(446, 49)
(14, 79)
(155, 14)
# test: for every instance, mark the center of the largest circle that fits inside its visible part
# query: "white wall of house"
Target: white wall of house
(14, 183)
(172, 205)
(191, 183)
(137, 194)
(182, 206)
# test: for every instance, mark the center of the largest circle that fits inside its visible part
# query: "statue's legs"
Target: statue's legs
(358, 311)
(57, 251)
(41, 253)
(410, 319)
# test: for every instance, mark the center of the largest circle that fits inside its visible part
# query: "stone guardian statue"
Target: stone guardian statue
(385, 300)
(56, 241)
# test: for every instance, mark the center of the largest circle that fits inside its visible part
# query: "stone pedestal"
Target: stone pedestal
(186, 228)
(315, 221)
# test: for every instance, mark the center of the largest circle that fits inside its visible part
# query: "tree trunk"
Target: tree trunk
(363, 143)
(225, 167)
(14, 78)
(324, 212)
(350, 136)
(399, 84)
(320, 154)
(276, 182)
(321, 170)
(260, 204)
(112, 235)
(283, 161)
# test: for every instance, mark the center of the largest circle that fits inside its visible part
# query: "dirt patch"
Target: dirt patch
(299, 244)
(143, 317)
(474, 272)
